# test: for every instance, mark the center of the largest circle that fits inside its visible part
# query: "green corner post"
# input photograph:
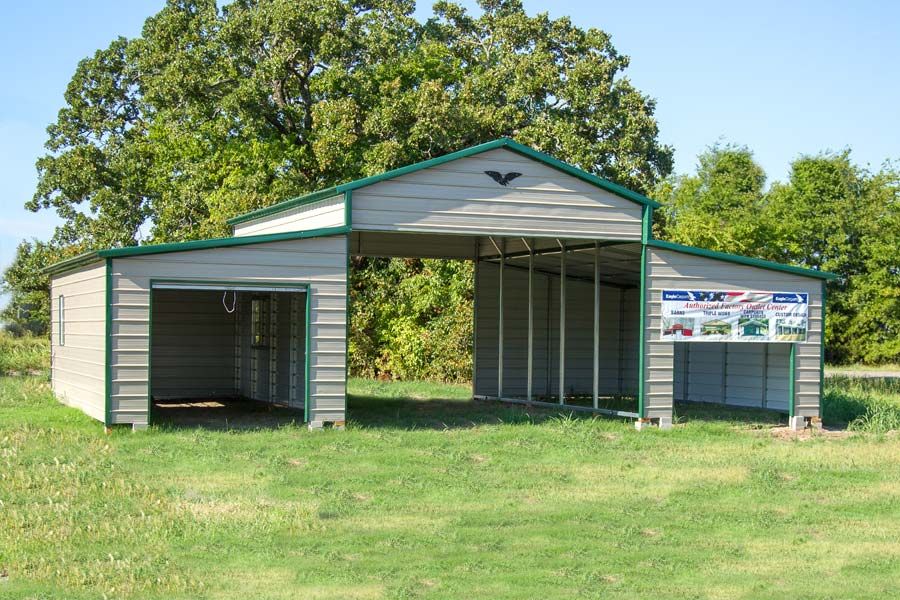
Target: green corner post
(646, 235)
(792, 365)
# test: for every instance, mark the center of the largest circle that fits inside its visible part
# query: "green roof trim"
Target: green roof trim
(741, 260)
(471, 151)
(90, 257)
(287, 205)
(69, 264)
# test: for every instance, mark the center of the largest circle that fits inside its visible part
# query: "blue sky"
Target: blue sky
(782, 78)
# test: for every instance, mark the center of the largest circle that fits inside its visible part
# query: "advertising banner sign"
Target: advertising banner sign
(723, 316)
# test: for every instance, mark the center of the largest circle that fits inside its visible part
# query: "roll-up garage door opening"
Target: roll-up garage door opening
(227, 355)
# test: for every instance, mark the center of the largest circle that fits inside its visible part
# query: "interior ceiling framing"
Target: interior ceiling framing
(619, 261)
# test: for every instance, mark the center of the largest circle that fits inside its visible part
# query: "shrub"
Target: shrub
(23, 354)
(863, 404)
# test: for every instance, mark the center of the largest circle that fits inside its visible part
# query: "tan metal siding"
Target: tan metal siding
(320, 262)
(777, 380)
(579, 334)
(328, 212)
(78, 372)
(193, 339)
(745, 374)
(515, 331)
(754, 375)
(459, 197)
(630, 330)
(667, 269)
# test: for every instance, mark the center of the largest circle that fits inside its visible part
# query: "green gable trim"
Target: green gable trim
(646, 216)
(604, 184)
(194, 245)
(741, 260)
(288, 204)
(471, 151)
(69, 264)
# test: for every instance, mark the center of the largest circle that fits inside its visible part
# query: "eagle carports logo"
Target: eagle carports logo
(789, 298)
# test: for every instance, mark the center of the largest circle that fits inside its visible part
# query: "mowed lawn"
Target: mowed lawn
(428, 495)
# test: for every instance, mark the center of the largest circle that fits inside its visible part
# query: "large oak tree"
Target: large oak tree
(214, 111)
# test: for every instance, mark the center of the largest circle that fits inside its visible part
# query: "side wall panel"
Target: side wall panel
(667, 269)
(631, 325)
(315, 215)
(579, 335)
(193, 345)
(78, 373)
(460, 197)
(320, 262)
(291, 327)
(754, 375)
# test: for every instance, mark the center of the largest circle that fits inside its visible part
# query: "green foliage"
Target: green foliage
(869, 404)
(411, 319)
(29, 290)
(217, 110)
(830, 214)
(719, 207)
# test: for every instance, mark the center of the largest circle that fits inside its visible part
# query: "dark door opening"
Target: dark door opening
(219, 353)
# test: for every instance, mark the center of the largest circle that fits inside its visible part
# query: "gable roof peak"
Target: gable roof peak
(503, 142)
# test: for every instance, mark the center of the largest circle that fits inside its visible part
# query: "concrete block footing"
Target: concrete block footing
(138, 426)
(661, 422)
(797, 423)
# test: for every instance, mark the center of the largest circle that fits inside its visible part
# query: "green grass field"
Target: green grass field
(428, 495)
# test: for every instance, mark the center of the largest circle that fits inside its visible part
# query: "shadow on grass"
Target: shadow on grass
(686, 412)
(435, 413)
(372, 410)
(223, 414)
(366, 411)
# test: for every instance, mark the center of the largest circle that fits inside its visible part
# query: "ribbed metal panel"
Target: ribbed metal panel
(328, 212)
(192, 346)
(579, 335)
(753, 375)
(741, 374)
(459, 197)
(319, 262)
(79, 367)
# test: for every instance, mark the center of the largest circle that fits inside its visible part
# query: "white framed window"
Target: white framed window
(61, 308)
(259, 312)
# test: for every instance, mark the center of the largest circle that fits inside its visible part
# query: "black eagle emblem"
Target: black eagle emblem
(501, 178)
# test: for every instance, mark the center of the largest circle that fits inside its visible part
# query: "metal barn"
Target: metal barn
(571, 295)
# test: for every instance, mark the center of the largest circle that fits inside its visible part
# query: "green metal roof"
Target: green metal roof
(92, 257)
(501, 143)
(741, 260)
